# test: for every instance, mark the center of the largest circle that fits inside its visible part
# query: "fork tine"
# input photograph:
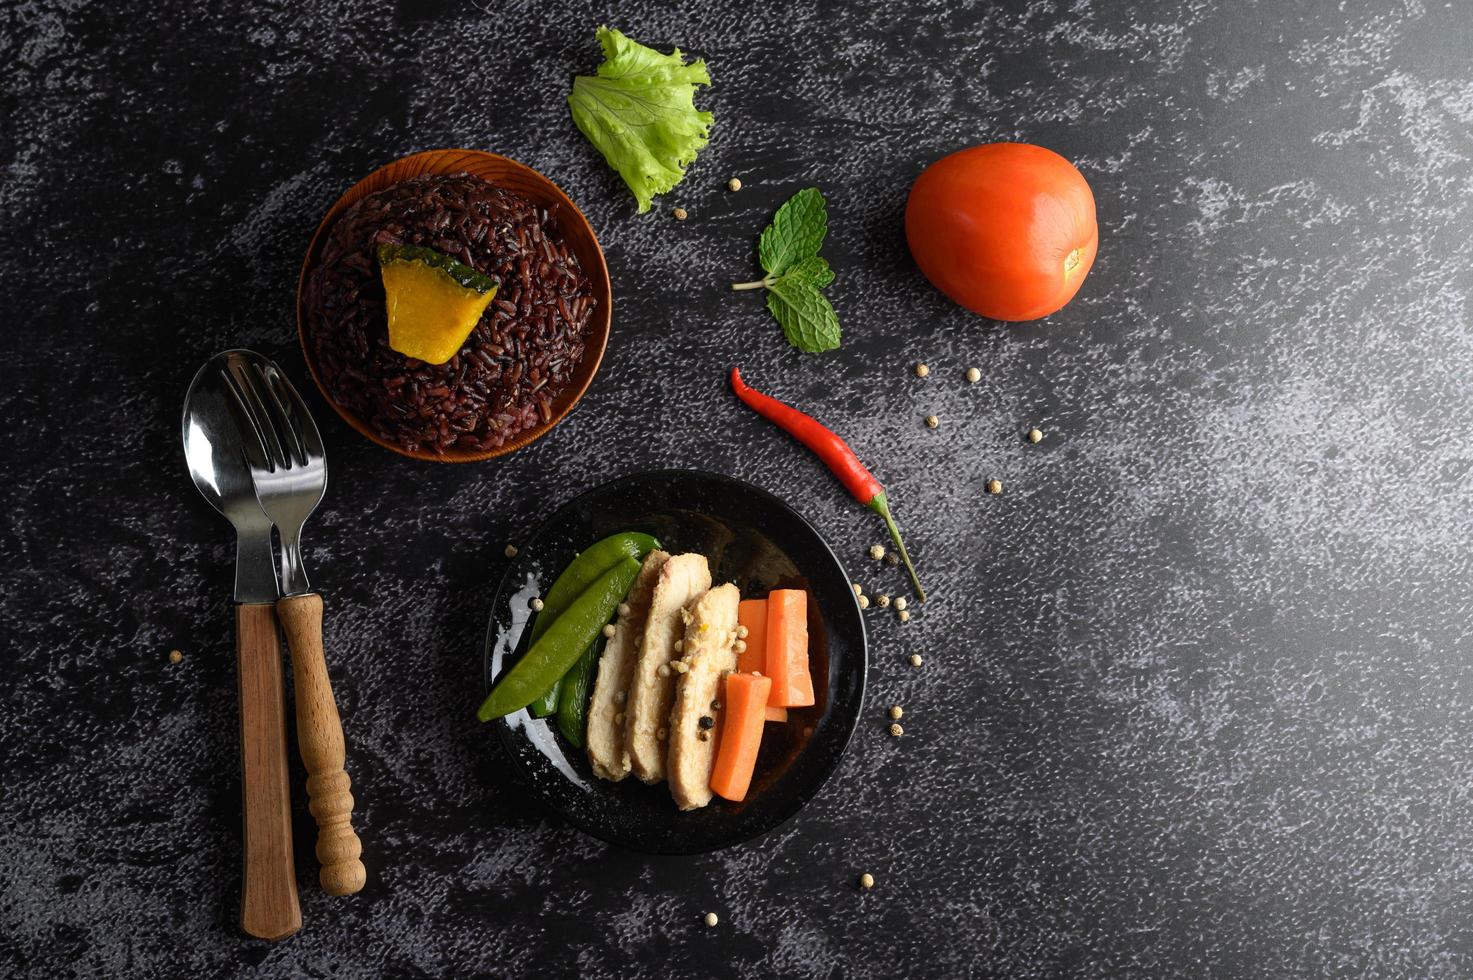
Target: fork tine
(286, 426)
(252, 440)
(303, 428)
(265, 427)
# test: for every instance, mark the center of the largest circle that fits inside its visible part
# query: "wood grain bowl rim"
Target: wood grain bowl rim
(576, 232)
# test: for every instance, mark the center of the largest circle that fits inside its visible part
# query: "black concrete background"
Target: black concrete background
(1195, 698)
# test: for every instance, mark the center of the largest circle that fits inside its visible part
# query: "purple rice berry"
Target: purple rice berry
(516, 362)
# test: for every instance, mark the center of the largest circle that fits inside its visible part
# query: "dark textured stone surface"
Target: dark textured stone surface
(1196, 697)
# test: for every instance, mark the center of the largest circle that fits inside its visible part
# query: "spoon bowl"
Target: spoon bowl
(215, 453)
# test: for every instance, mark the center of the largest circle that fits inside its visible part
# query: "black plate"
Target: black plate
(751, 538)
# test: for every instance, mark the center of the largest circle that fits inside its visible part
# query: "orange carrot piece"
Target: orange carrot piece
(742, 710)
(752, 613)
(787, 648)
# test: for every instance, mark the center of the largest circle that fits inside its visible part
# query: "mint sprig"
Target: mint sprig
(796, 274)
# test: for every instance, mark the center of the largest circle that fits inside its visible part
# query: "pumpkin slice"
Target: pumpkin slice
(433, 301)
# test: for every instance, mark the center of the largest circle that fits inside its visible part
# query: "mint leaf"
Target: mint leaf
(639, 112)
(812, 270)
(807, 319)
(788, 251)
(796, 233)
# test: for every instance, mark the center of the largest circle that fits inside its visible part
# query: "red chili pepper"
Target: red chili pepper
(836, 455)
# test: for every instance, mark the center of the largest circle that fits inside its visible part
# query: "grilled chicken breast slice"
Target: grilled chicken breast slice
(707, 655)
(647, 712)
(606, 752)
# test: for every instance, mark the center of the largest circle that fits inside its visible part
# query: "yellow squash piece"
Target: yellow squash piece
(433, 301)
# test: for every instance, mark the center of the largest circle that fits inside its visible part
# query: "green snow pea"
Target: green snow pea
(562, 643)
(589, 565)
(572, 704)
(547, 703)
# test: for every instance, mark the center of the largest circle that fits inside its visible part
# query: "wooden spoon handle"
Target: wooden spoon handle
(320, 739)
(268, 897)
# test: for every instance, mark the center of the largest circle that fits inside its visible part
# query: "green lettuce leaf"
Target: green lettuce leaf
(639, 112)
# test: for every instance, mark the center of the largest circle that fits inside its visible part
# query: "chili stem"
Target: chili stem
(881, 506)
(757, 284)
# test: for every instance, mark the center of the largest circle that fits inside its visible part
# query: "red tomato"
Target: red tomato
(1005, 229)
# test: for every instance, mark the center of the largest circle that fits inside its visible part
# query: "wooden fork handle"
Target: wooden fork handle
(268, 896)
(320, 739)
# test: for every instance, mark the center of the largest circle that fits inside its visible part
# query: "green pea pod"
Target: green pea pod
(547, 704)
(562, 643)
(589, 565)
(592, 562)
(572, 705)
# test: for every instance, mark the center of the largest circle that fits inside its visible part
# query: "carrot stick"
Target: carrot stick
(787, 648)
(752, 613)
(742, 713)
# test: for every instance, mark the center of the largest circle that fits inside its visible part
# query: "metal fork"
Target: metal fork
(289, 469)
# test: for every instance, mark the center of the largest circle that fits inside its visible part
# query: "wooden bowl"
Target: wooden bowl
(577, 234)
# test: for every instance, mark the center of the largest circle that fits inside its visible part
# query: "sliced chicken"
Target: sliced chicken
(708, 654)
(606, 752)
(651, 691)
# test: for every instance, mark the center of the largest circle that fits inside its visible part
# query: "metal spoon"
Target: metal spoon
(215, 453)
